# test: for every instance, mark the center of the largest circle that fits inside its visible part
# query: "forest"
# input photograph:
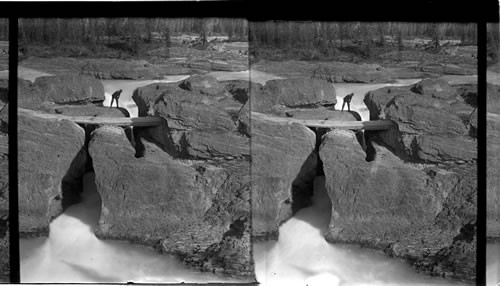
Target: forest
(93, 32)
(324, 38)
(4, 29)
(308, 34)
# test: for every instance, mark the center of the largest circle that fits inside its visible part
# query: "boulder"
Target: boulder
(283, 161)
(298, 92)
(51, 160)
(198, 126)
(350, 72)
(431, 128)
(197, 211)
(204, 84)
(69, 89)
(423, 214)
(437, 88)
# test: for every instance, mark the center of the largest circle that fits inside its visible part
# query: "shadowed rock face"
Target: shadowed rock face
(281, 154)
(417, 198)
(51, 157)
(4, 182)
(69, 89)
(241, 89)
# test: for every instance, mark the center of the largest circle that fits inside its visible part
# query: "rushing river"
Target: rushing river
(301, 256)
(72, 253)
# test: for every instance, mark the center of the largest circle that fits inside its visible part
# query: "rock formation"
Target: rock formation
(52, 160)
(193, 209)
(281, 154)
(493, 162)
(206, 85)
(4, 182)
(410, 191)
(185, 187)
(284, 156)
(69, 89)
(292, 93)
(416, 198)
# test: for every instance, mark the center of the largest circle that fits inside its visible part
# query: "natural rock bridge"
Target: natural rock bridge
(155, 121)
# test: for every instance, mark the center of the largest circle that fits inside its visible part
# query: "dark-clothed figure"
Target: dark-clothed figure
(347, 99)
(115, 96)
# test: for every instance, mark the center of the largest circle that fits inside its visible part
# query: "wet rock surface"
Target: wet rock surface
(67, 89)
(52, 159)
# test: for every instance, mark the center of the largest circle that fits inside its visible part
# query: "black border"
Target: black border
(481, 158)
(256, 10)
(479, 11)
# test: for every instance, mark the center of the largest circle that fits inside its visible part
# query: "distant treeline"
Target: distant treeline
(493, 42)
(4, 29)
(288, 34)
(93, 31)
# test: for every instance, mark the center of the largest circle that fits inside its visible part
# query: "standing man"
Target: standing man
(115, 96)
(347, 99)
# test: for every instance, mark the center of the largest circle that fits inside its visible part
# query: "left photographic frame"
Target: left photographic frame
(4, 151)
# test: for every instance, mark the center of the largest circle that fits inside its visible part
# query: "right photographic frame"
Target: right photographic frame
(364, 152)
(493, 157)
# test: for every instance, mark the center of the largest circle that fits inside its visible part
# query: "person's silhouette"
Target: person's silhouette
(115, 96)
(347, 99)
